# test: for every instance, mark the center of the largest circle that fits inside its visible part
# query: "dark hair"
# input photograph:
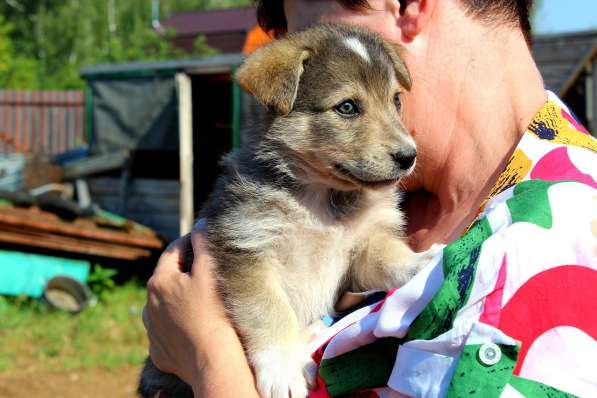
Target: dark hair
(515, 12)
(270, 13)
(271, 18)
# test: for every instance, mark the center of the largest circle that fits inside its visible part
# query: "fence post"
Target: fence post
(185, 138)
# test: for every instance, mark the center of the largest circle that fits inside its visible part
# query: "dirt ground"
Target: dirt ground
(90, 383)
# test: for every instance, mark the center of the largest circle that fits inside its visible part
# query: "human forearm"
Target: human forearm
(225, 374)
(189, 333)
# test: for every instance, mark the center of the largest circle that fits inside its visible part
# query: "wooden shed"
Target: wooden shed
(157, 132)
(158, 129)
(224, 29)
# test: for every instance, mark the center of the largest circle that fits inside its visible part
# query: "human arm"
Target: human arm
(189, 333)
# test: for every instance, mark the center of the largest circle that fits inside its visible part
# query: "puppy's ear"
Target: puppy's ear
(402, 72)
(272, 74)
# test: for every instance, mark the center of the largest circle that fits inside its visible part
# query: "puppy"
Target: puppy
(309, 208)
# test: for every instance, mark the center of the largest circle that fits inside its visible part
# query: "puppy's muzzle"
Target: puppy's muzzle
(405, 157)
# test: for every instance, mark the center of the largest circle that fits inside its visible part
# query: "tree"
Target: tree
(16, 70)
(48, 41)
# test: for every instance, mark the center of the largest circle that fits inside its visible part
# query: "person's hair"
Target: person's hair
(271, 18)
(514, 12)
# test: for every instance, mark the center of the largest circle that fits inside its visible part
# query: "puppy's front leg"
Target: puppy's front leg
(271, 333)
(385, 262)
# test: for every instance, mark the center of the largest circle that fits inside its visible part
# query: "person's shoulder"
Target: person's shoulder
(548, 208)
(558, 161)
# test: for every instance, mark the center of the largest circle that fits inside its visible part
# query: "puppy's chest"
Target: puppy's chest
(316, 260)
(316, 248)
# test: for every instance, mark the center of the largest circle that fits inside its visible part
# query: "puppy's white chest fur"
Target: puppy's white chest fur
(319, 259)
(322, 248)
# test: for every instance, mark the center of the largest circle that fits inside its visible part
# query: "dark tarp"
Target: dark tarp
(134, 114)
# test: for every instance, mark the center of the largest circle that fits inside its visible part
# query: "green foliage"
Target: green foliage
(200, 47)
(101, 281)
(16, 70)
(108, 335)
(44, 43)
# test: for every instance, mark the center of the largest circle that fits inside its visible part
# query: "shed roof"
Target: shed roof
(192, 23)
(216, 64)
(562, 57)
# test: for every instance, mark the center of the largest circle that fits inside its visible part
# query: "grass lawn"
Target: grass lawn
(108, 336)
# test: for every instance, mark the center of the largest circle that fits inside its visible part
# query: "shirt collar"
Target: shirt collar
(554, 125)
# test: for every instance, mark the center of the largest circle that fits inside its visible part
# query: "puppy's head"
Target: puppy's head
(334, 92)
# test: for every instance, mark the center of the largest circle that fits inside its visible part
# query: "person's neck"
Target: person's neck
(496, 101)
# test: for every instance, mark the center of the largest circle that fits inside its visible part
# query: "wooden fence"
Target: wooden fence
(46, 122)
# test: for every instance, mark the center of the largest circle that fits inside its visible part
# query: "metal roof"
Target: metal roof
(192, 23)
(561, 58)
(217, 64)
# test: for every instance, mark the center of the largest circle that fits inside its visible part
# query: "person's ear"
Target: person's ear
(402, 73)
(415, 15)
(272, 74)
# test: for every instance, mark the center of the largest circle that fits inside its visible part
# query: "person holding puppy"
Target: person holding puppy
(505, 176)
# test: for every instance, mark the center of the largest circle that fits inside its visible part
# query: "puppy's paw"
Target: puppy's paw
(417, 262)
(284, 372)
(428, 255)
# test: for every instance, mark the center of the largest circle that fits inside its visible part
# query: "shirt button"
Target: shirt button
(490, 354)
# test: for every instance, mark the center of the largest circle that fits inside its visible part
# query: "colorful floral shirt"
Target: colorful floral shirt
(507, 310)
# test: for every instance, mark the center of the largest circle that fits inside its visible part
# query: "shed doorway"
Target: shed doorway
(212, 96)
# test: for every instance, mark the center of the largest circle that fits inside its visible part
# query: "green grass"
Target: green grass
(108, 335)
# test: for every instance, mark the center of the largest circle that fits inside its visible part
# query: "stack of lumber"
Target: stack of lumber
(102, 235)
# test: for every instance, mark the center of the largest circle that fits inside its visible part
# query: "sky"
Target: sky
(555, 16)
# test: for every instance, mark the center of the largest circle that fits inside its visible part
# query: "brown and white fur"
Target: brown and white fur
(309, 208)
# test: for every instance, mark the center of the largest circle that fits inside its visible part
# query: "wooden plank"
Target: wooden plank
(125, 178)
(578, 69)
(22, 218)
(185, 136)
(139, 204)
(138, 186)
(161, 222)
(155, 220)
(134, 195)
(137, 196)
(155, 185)
(71, 245)
(95, 164)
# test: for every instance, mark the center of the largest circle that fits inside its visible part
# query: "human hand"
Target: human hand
(189, 333)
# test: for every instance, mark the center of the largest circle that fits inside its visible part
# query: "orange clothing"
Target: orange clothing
(255, 39)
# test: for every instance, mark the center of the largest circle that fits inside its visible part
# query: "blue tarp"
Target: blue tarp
(27, 274)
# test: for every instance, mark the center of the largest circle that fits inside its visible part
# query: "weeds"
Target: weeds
(101, 281)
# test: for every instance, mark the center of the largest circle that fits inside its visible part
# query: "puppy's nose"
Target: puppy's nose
(405, 157)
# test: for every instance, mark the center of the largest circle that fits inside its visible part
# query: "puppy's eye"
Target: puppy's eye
(397, 101)
(347, 108)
